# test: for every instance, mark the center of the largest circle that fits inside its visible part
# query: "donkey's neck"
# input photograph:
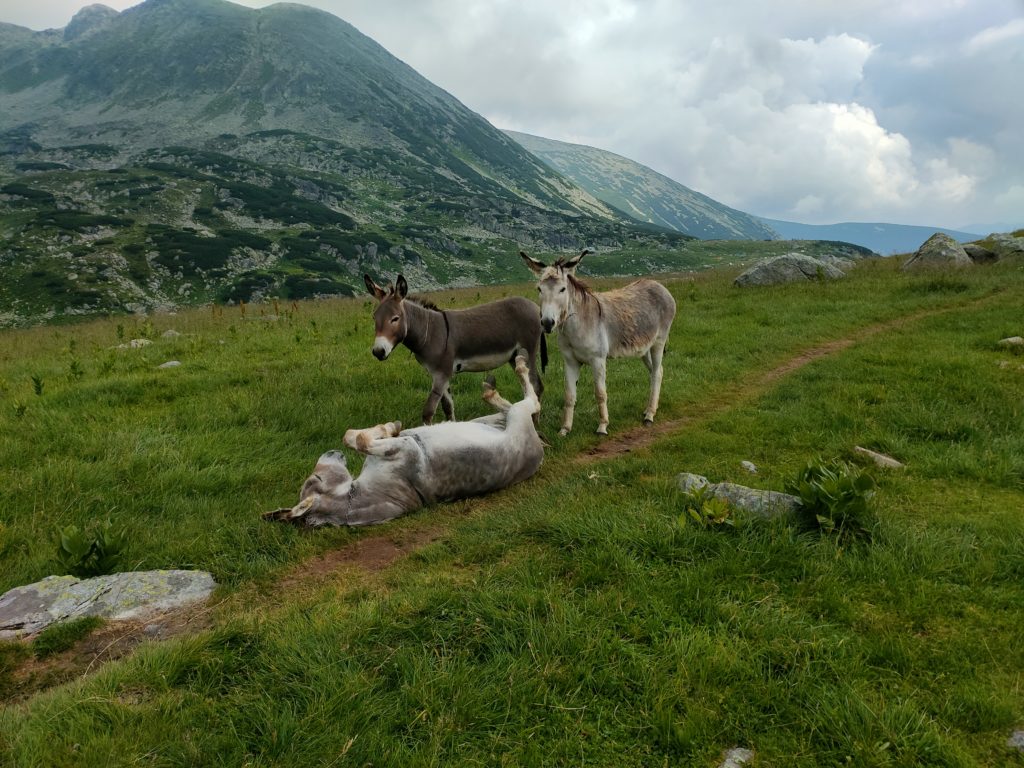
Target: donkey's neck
(584, 311)
(425, 329)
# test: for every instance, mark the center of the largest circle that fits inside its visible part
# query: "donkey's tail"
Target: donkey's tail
(543, 353)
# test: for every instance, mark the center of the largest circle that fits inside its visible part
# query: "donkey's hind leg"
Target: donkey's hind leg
(653, 360)
(492, 397)
(360, 439)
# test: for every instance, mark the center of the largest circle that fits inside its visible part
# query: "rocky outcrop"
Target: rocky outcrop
(788, 268)
(940, 251)
(133, 595)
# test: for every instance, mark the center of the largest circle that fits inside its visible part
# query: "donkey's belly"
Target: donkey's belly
(486, 362)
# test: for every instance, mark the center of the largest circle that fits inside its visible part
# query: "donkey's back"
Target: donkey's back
(636, 316)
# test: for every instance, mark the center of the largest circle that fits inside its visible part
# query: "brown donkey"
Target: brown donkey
(446, 342)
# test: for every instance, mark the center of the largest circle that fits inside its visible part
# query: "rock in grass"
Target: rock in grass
(766, 504)
(170, 333)
(1016, 741)
(1013, 342)
(32, 608)
(688, 481)
(134, 344)
(938, 251)
(170, 364)
(788, 268)
(750, 466)
(880, 459)
(737, 757)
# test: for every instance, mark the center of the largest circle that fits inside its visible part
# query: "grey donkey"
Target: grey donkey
(408, 469)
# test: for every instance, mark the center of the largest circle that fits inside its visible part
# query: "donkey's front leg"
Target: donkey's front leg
(439, 394)
(601, 393)
(572, 375)
(360, 439)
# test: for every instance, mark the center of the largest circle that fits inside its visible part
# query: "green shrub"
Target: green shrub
(707, 510)
(835, 498)
(89, 553)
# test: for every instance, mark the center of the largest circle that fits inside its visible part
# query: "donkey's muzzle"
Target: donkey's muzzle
(380, 353)
(547, 324)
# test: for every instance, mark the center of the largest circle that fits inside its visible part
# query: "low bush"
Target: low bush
(835, 498)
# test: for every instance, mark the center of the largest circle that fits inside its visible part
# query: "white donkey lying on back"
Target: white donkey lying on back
(405, 470)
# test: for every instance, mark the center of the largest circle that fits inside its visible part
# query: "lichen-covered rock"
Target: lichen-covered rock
(757, 502)
(32, 608)
(940, 251)
(788, 268)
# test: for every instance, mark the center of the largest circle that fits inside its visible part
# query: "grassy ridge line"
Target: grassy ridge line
(570, 620)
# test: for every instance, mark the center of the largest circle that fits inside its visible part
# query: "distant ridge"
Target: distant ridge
(882, 238)
(645, 194)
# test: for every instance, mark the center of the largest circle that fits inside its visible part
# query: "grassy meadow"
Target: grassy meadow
(571, 620)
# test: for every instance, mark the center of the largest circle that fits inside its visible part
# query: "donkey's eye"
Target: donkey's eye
(538, 289)
(563, 289)
(395, 319)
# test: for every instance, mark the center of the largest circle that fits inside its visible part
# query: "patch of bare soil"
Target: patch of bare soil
(113, 640)
(369, 553)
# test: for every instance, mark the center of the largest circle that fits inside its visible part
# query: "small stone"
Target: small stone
(688, 482)
(139, 343)
(170, 364)
(1012, 341)
(737, 757)
(880, 459)
(750, 466)
(170, 334)
(1016, 741)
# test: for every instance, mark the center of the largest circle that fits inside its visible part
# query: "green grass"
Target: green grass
(570, 620)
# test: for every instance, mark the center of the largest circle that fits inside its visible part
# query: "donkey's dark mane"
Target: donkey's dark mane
(423, 302)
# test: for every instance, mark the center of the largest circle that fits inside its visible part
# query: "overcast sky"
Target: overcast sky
(818, 111)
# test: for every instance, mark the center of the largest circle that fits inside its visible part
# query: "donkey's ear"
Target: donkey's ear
(375, 290)
(571, 264)
(535, 266)
(401, 287)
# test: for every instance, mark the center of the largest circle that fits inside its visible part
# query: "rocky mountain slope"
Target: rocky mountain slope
(189, 150)
(643, 193)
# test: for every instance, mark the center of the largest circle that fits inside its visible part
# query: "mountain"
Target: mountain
(195, 150)
(644, 194)
(881, 238)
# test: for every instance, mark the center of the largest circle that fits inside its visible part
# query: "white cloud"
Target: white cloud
(993, 36)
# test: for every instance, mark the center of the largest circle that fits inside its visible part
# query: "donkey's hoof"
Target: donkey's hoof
(603, 430)
(563, 432)
(648, 422)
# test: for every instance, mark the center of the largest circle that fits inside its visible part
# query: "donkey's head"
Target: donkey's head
(555, 284)
(389, 318)
(324, 498)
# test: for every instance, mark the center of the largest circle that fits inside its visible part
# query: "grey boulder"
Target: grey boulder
(788, 268)
(32, 608)
(938, 252)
